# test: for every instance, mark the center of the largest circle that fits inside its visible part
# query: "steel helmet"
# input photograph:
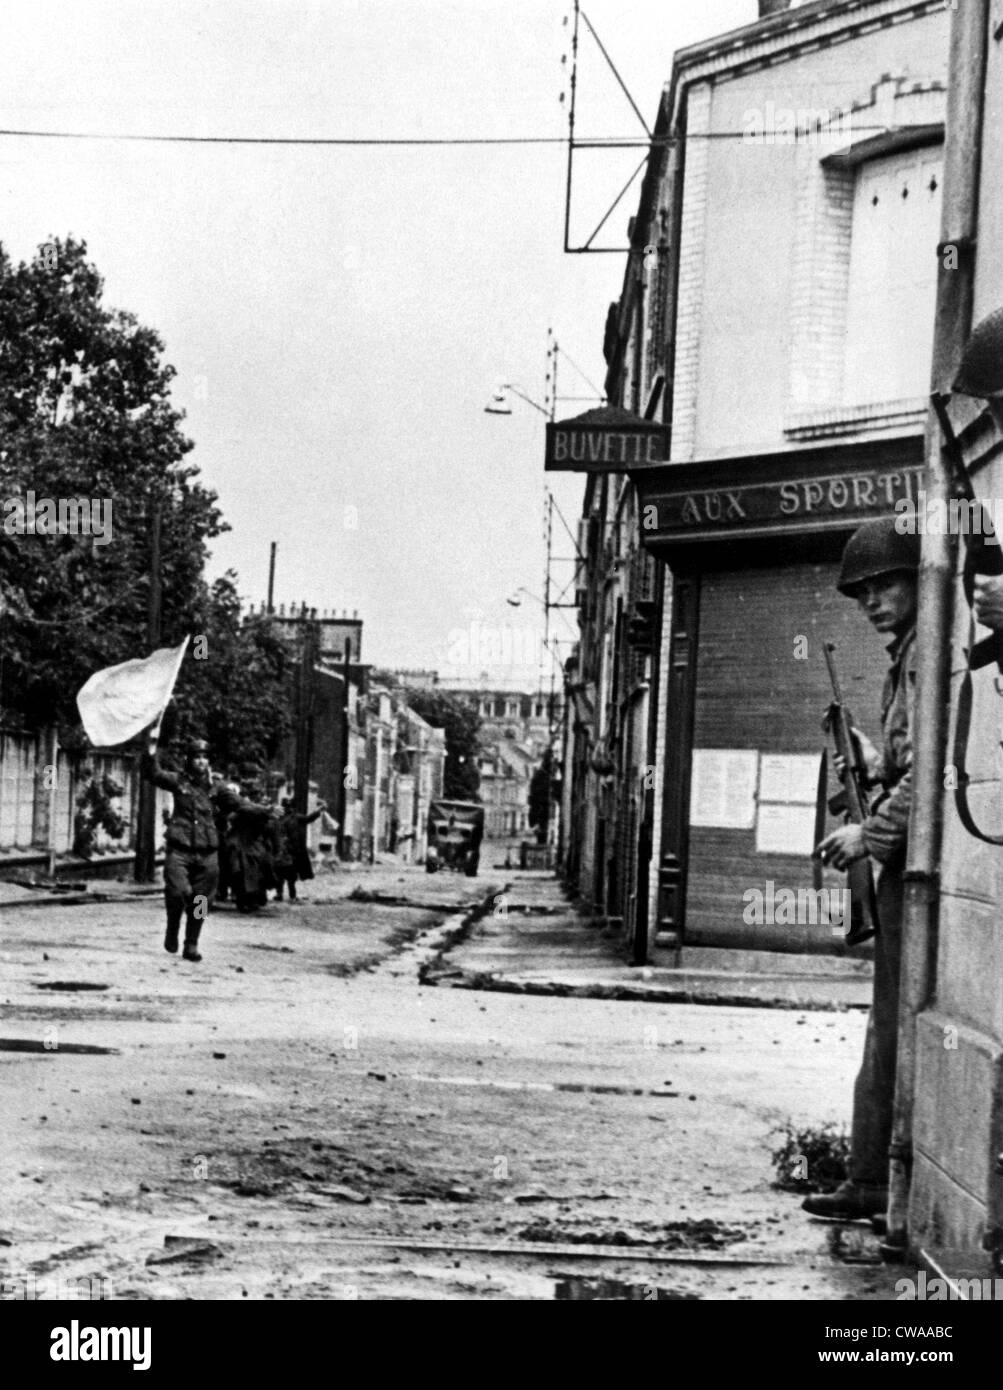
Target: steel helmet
(876, 548)
(980, 372)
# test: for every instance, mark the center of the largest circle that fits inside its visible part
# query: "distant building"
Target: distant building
(516, 729)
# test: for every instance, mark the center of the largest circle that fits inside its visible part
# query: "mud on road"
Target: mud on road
(299, 1117)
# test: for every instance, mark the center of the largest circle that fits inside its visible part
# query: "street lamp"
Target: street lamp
(498, 404)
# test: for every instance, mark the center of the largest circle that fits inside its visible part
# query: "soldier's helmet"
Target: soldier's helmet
(197, 748)
(980, 372)
(876, 548)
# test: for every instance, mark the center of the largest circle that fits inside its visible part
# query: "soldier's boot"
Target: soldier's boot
(193, 928)
(174, 913)
(850, 1202)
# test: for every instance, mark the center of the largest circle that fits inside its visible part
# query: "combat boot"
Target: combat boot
(171, 934)
(193, 929)
(850, 1202)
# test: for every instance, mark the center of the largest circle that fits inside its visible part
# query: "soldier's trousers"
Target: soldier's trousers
(190, 881)
(874, 1092)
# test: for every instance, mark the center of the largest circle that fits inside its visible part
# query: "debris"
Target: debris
(219, 1056)
(33, 1045)
(577, 1288)
(341, 1194)
(178, 1248)
(460, 1194)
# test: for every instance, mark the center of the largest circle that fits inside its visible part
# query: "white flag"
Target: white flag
(120, 701)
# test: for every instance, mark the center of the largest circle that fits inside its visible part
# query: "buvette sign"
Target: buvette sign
(608, 440)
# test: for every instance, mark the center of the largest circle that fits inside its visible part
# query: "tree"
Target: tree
(235, 687)
(461, 722)
(85, 413)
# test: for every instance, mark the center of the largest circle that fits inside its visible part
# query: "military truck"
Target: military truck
(455, 831)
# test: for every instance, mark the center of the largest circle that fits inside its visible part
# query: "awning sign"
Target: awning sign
(608, 440)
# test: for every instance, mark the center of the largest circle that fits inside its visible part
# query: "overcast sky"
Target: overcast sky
(340, 317)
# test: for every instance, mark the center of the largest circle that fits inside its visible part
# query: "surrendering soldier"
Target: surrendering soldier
(293, 859)
(191, 863)
(251, 843)
(880, 571)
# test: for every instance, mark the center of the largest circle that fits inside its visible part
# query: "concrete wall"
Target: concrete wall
(957, 1196)
(25, 798)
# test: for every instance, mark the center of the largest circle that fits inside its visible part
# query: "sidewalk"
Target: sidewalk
(536, 942)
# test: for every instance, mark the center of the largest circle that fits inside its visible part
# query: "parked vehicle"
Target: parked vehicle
(455, 831)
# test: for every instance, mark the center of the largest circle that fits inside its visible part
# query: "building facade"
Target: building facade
(789, 377)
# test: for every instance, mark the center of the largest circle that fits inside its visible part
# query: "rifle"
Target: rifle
(852, 803)
(983, 556)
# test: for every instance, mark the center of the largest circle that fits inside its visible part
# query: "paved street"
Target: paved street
(299, 1117)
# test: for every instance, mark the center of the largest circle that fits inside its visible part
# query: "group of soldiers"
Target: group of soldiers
(224, 838)
(262, 847)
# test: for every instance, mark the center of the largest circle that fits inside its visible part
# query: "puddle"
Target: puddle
(52, 1049)
(70, 985)
(575, 1288)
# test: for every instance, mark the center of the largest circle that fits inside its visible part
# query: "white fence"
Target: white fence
(27, 793)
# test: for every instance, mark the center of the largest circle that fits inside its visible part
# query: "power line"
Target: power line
(604, 142)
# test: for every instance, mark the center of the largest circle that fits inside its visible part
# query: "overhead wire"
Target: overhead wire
(612, 142)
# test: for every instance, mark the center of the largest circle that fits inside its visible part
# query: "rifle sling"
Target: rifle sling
(821, 807)
(962, 729)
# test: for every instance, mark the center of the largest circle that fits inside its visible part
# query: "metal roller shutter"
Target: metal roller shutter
(753, 693)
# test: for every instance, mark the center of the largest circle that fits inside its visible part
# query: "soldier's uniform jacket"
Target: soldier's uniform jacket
(192, 825)
(887, 825)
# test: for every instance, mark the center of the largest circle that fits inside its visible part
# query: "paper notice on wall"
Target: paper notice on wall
(723, 787)
(789, 777)
(785, 829)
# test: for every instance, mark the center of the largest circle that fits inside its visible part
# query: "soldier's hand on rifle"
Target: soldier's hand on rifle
(868, 753)
(842, 847)
(988, 601)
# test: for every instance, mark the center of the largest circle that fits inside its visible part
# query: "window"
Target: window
(893, 273)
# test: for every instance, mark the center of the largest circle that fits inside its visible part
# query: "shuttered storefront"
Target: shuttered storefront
(754, 693)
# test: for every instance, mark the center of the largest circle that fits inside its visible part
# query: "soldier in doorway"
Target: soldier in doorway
(879, 571)
(191, 863)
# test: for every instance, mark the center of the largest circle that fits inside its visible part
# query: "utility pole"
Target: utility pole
(345, 747)
(271, 578)
(305, 710)
(146, 815)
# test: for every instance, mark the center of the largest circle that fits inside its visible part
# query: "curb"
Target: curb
(431, 969)
(454, 978)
